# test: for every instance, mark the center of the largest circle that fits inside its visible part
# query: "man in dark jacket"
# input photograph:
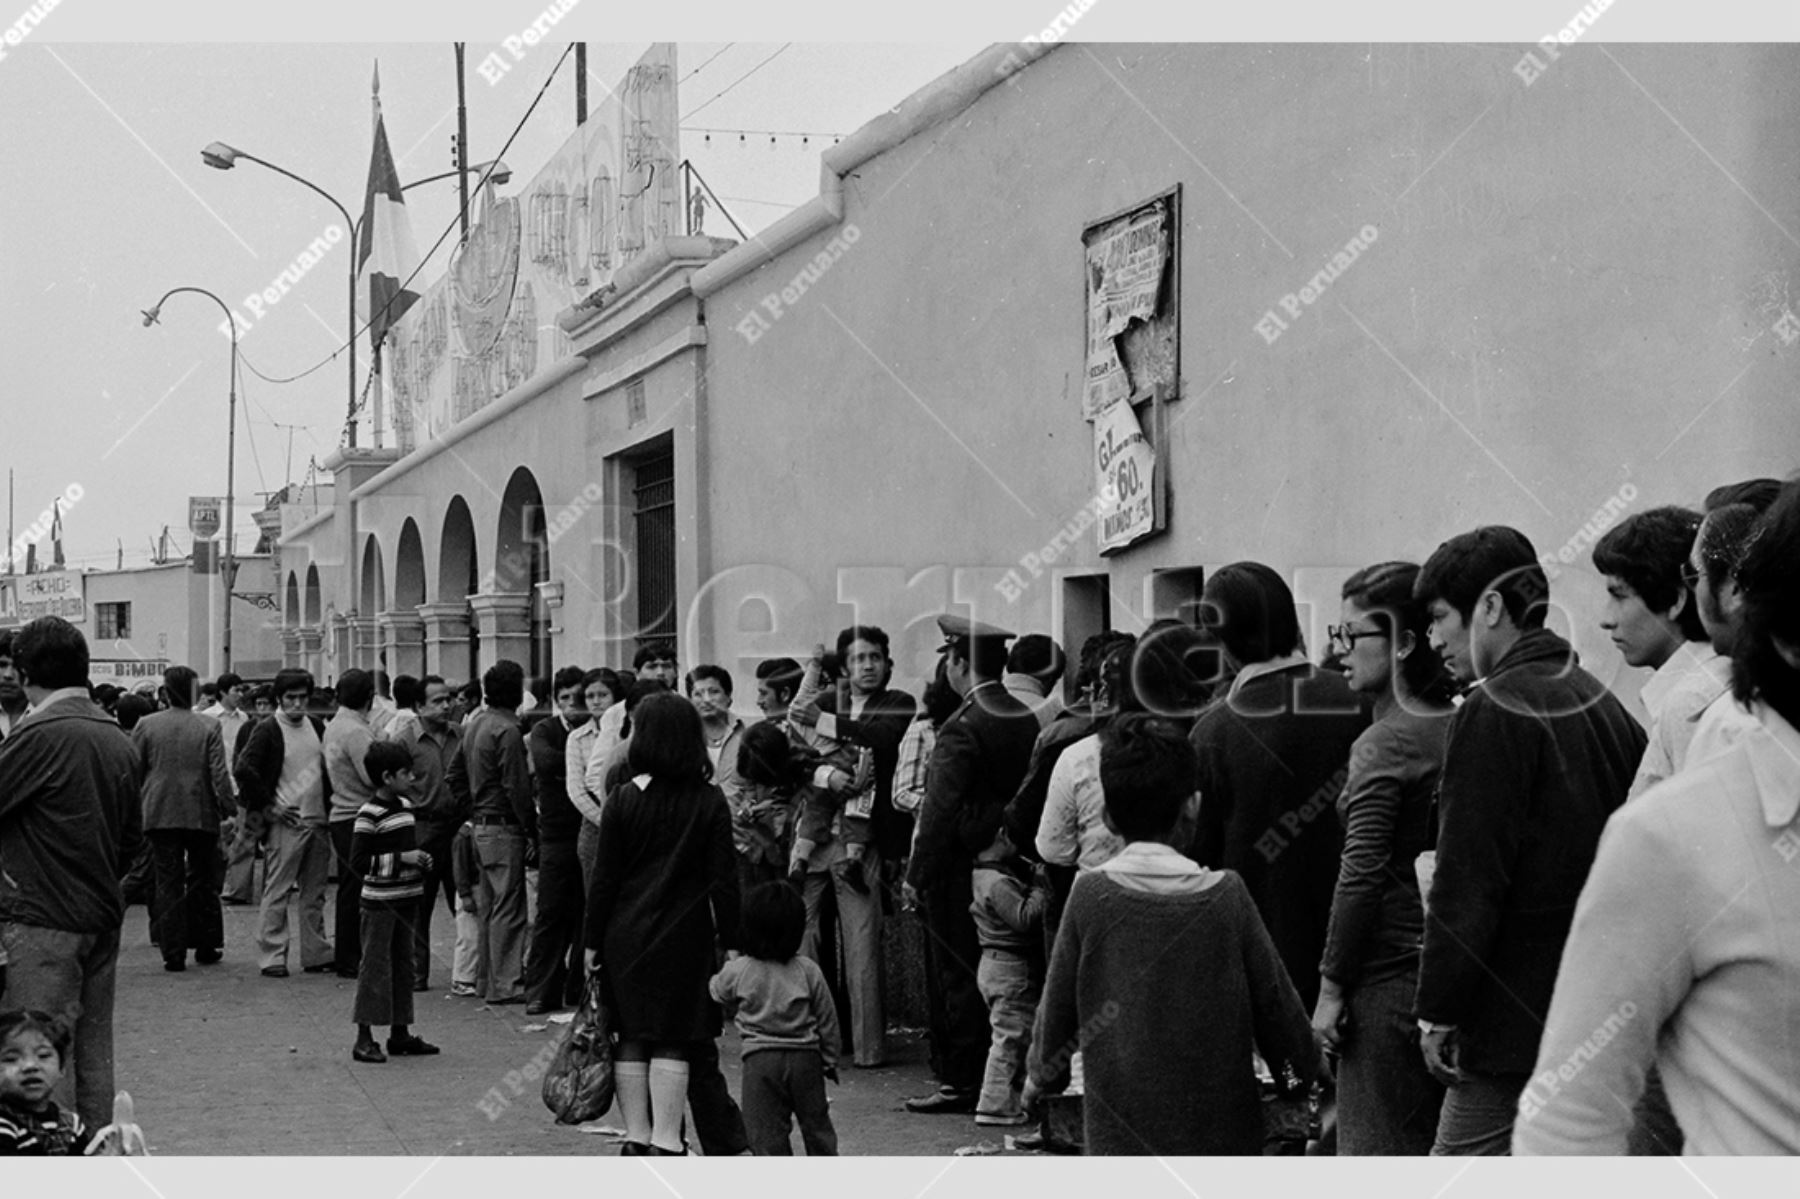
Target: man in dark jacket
(1539, 755)
(70, 814)
(979, 761)
(187, 791)
(281, 774)
(1274, 753)
(553, 964)
(492, 769)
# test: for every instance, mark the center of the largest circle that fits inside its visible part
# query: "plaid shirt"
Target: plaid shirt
(915, 756)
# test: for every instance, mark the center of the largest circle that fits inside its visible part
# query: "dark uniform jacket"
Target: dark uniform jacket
(979, 761)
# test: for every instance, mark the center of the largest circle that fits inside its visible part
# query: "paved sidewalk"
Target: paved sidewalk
(221, 1060)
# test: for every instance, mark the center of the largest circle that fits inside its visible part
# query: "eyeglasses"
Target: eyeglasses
(1345, 638)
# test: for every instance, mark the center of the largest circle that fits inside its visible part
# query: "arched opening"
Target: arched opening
(374, 586)
(458, 571)
(409, 568)
(290, 607)
(312, 595)
(522, 558)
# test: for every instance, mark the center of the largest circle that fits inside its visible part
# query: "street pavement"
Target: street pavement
(221, 1060)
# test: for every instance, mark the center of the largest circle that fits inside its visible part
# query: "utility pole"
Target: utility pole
(580, 84)
(462, 145)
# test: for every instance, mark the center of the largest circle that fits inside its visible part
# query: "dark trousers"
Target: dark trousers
(1477, 1117)
(436, 842)
(959, 1018)
(553, 968)
(186, 908)
(72, 977)
(781, 1085)
(1387, 1101)
(384, 993)
(348, 924)
(718, 1124)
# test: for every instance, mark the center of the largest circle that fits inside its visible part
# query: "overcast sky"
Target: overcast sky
(106, 205)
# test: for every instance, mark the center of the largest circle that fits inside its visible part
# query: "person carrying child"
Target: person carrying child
(33, 1047)
(784, 1012)
(384, 853)
(1009, 904)
(1164, 977)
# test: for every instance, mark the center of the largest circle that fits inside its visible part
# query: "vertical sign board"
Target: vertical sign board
(1131, 317)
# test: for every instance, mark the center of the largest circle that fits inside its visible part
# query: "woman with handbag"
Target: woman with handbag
(665, 897)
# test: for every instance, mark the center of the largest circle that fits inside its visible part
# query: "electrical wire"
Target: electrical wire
(426, 257)
(703, 66)
(753, 70)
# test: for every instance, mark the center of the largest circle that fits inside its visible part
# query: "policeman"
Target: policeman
(982, 752)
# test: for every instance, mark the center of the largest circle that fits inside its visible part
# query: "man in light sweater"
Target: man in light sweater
(346, 743)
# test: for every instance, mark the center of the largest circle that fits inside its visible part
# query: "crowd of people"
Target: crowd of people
(1438, 893)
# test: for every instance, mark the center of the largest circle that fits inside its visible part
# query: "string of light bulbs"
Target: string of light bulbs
(744, 135)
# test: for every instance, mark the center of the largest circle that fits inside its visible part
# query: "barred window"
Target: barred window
(112, 622)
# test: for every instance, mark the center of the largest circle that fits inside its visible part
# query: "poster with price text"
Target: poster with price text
(1125, 478)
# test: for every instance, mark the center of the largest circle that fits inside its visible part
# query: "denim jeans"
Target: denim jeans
(1387, 1101)
(1477, 1117)
(500, 898)
(1012, 995)
(71, 977)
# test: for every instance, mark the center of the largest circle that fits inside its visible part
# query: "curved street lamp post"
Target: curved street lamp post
(151, 317)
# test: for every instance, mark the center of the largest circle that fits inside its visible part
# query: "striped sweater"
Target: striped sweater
(383, 831)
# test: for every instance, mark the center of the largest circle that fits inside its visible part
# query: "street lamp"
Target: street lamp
(151, 317)
(224, 157)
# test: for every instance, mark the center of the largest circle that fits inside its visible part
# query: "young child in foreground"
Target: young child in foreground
(1164, 977)
(385, 852)
(789, 1025)
(32, 1048)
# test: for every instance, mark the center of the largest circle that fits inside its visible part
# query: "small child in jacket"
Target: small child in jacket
(1009, 905)
(384, 853)
(32, 1049)
(855, 808)
(467, 967)
(789, 1025)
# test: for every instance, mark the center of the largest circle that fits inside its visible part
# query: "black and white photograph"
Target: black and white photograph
(934, 583)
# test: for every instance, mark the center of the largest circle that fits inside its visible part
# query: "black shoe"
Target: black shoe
(421, 985)
(326, 968)
(947, 1101)
(349, 974)
(659, 1151)
(275, 972)
(538, 1007)
(413, 1046)
(634, 1149)
(209, 957)
(368, 1051)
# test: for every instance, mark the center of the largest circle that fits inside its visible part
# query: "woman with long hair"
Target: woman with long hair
(1387, 1100)
(665, 887)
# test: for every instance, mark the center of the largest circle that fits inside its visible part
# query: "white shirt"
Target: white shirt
(1683, 954)
(1720, 727)
(575, 760)
(1072, 830)
(1681, 689)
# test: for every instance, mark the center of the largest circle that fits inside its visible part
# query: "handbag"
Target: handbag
(578, 1086)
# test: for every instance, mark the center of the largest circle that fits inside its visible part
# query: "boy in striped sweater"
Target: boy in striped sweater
(385, 855)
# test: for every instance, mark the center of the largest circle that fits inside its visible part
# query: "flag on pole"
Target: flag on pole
(56, 550)
(386, 254)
